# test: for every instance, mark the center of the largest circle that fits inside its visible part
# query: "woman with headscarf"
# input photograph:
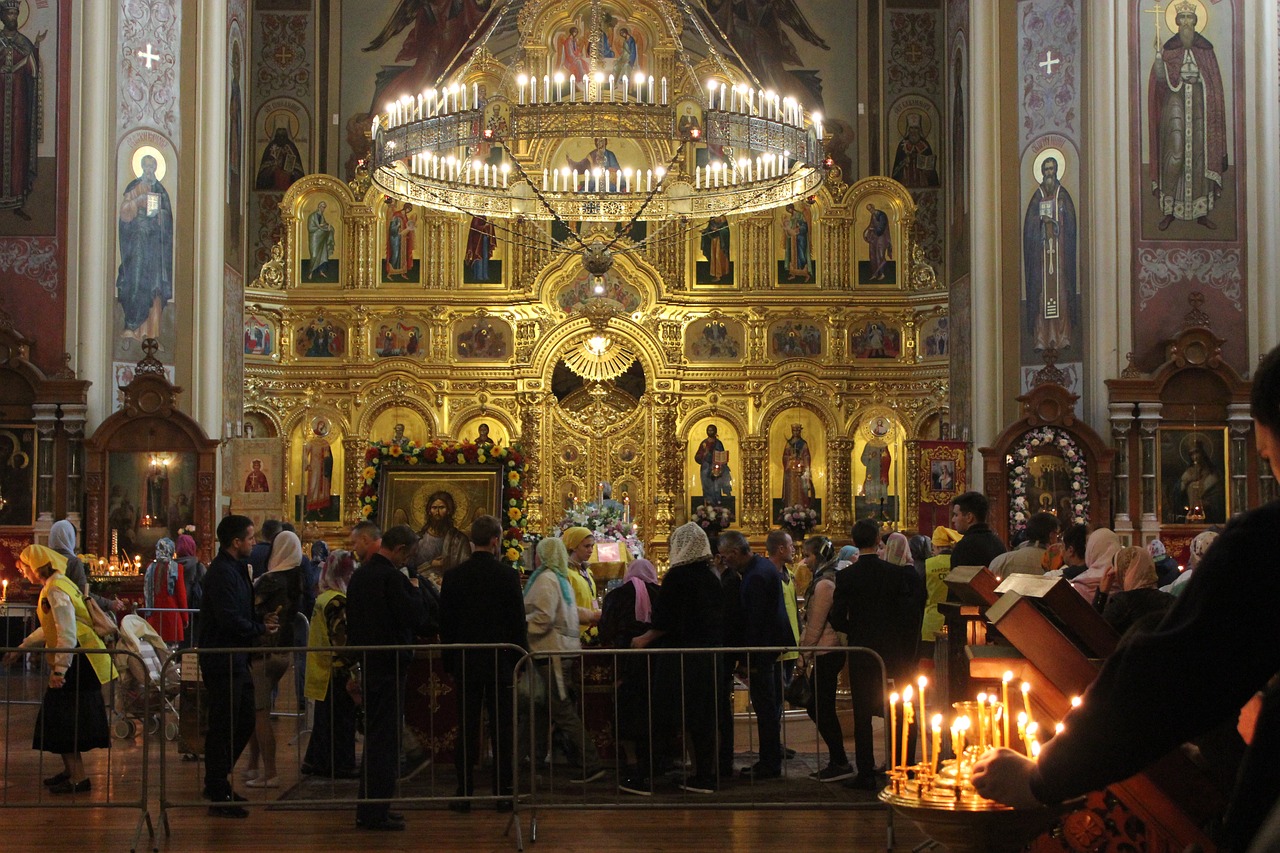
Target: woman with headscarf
(897, 550)
(818, 631)
(62, 538)
(1099, 552)
(1199, 547)
(1131, 591)
(626, 614)
(72, 718)
(279, 591)
(921, 551)
(1167, 568)
(936, 569)
(332, 750)
(553, 616)
(848, 554)
(579, 544)
(165, 593)
(193, 572)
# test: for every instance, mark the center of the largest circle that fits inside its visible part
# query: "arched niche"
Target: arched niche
(1049, 453)
(316, 457)
(149, 470)
(786, 489)
(730, 472)
(879, 465)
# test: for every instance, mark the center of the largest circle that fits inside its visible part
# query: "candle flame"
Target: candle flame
(1075, 701)
(893, 698)
(922, 681)
(982, 698)
(1035, 749)
(937, 722)
(1026, 687)
(1057, 729)
(907, 694)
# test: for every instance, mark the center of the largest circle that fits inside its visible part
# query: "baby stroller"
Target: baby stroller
(145, 688)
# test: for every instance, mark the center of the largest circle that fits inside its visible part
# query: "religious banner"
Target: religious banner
(942, 474)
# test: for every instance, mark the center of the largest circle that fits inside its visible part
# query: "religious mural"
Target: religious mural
(282, 140)
(623, 46)
(150, 496)
(935, 335)
(714, 339)
(612, 289)
(400, 259)
(482, 339)
(878, 451)
(797, 464)
(399, 338)
(1051, 290)
(124, 372)
(319, 339)
(796, 259)
(29, 114)
(259, 335)
(482, 256)
(1194, 476)
(915, 162)
(145, 221)
(321, 234)
(711, 459)
(875, 339)
(235, 143)
(317, 469)
(958, 161)
(715, 250)
(17, 475)
(880, 239)
(795, 339)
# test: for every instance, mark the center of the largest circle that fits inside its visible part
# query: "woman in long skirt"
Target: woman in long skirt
(73, 717)
(332, 750)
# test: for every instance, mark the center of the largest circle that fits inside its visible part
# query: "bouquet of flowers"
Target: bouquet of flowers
(605, 523)
(712, 515)
(799, 518)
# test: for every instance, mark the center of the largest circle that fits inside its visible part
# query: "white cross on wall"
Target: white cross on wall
(148, 55)
(1049, 62)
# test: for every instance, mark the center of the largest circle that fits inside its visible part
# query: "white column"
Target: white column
(987, 409)
(211, 171)
(1105, 225)
(1262, 165)
(90, 225)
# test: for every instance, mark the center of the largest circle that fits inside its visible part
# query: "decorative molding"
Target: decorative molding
(148, 97)
(1216, 268)
(35, 258)
(912, 52)
(1050, 102)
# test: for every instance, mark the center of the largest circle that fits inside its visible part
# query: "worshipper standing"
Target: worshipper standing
(979, 545)
(1075, 542)
(1099, 552)
(819, 557)
(871, 603)
(481, 602)
(845, 558)
(165, 589)
(579, 542)
(279, 591)
(1028, 557)
(766, 625)
(897, 551)
(791, 602)
(1224, 637)
(227, 621)
(73, 717)
(262, 551)
(626, 614)
(1199, 547)
(384, 608)
(193, 572)
(687, 615)
(553, 618)
(62, 538)
(1130, 590)
(734, 635)
(1167, 568)
(921, 551)
(936, 569)
(332, 748)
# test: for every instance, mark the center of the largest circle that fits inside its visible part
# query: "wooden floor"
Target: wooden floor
(35, 820)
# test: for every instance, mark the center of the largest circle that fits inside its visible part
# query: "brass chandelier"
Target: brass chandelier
(766, 150)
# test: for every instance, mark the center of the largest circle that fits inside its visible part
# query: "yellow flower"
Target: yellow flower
(513, 478)
(439, 457)
(514, 514)
(480, 457)
(366, 510)
(395, 450)
(369, 472)
(512, 555)
(462, 460)
(413, 460)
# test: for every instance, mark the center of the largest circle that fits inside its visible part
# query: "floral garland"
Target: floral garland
(450, 453)
(799, 517)
(1020, 474)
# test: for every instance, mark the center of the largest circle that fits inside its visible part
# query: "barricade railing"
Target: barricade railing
(657, 696)
(118, 779)
(402, 764)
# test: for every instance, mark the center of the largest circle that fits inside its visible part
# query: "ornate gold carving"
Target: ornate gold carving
(271, 276)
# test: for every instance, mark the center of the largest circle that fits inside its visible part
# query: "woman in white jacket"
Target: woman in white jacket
(554, 616)
(819, 557)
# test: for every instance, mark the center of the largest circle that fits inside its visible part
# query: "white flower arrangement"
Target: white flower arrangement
(1061, 443)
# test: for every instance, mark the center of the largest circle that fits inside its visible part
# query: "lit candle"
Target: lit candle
(1075, 701)
(651, 89)
(572, 86)
(937, 743)
(555, 181)
(546, 88)
(664, 91)
(648, 180)
(626, 83)
(982, 727)
(521, 82)
(893, 729)
(639, 81)
(475, 96)
(991, 719)
(626, 509)
(1004, 700)
(611, 87)
(5, 593)
(600, 87)
(1035, 750)
(1058, 728)
(963, 725)
(506, 168)
(924, 720)
(1026, 700)
(1022, 727)
(907, 716)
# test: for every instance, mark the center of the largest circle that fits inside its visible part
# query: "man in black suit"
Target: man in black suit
(481, 602)
(384, 608)
(227, 620)
(872, 604)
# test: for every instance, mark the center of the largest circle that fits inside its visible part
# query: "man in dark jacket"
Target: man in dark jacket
(767, 624)
(227, 621)
(481, 602)
(384, 608)
(735, 631)
(980, 545)
(872, 602)
(260, 554)
(1218, 646)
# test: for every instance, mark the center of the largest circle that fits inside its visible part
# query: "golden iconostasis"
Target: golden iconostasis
(360, 332)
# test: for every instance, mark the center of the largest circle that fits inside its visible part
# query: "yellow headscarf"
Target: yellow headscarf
(573, 537)
(39, 556)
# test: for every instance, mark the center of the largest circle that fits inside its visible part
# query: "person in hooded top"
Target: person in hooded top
(1099, 553)
(1167, 568)
(1199, 547)
(73, 717)
(165, 593)
(1130, 586)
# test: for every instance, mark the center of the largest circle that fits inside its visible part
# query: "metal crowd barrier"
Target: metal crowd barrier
(430, 710)
(134, 692)
(587, 671)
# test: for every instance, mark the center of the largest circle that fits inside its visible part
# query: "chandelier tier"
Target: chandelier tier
(432, 148)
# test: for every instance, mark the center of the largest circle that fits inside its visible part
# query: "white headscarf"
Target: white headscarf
(1099, 551)
(286, 552)
(62, 537)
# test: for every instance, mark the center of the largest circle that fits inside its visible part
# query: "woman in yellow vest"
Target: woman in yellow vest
(332, 750)
(579, 543)
(73, 717)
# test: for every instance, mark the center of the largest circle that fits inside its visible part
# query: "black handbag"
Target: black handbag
(799, 692)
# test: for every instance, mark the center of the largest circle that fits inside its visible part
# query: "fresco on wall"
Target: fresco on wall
(282, 138)
(795, 339)
(715, 248)
(29, 114)
(612, 289)
(797, 262)
(1050, 286)
(915, 160)
(145, 222)
(399, 338)
(319, 339)
(320, 235)
(259, 335)
(878, 237)
(875, 339)
(235, 145)
(714, 339)
(935, 334)
(482, 339)
(623, 46)
(399, 260)
(482, 257)
(958, 186)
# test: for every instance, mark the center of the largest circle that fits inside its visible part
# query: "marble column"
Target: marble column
(1148, 420)
(45, 416)
(1105, 213)
(73, 418)
(91, 220)
(210, 211)
(987, 386)
(1262, 158)
(1239, 424)
(1121, 426)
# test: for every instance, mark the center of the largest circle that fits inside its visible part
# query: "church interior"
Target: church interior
(631, 264)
